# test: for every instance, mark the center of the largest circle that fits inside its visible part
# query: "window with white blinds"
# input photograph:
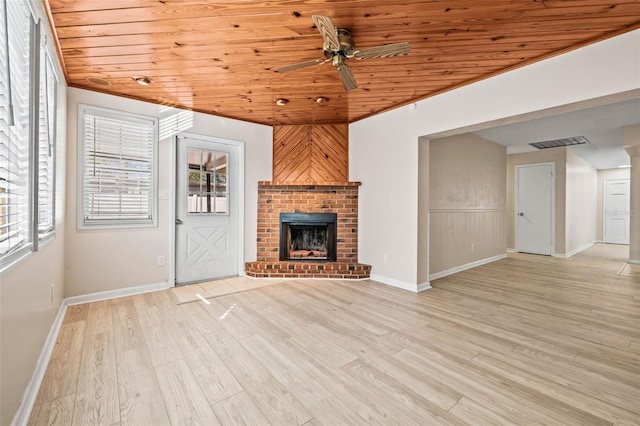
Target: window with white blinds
(118, 168)
(15, 184)
(46, 145)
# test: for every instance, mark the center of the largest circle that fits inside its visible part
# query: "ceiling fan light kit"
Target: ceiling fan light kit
(338, 47)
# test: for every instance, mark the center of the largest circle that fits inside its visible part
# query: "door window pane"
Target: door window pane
(207, 182)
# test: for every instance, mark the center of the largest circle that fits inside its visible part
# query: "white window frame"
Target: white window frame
(39, 55)
(48, 76)
(83, 224)
(25, 248)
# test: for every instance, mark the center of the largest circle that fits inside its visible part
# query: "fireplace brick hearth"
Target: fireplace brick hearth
(302, 197)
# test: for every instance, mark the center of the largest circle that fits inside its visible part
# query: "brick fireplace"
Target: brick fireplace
(325, 197)
(310, 176)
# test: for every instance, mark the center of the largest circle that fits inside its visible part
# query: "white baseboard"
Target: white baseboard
(424, 286)
(396, 283)
(112, 294)
(511, 250)
(31, 392)
(466, 266)
(574, 252)
(633, 261)
(21, 417)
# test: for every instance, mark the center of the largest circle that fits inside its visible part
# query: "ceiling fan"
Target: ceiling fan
(338, 47)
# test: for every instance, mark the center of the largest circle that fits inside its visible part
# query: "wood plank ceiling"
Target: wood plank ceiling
(220, 57)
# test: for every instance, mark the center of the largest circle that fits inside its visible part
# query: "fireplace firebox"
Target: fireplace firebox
(308, 236)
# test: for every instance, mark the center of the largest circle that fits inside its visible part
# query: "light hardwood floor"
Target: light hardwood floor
(525, 340)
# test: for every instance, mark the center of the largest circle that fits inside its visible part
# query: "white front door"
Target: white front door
(207, 209)
(535, 209)
(616, 211)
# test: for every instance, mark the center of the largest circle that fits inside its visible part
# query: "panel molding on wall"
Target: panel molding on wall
(311, 153)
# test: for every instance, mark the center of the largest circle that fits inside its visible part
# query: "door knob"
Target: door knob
(521, 214)
(178, 222)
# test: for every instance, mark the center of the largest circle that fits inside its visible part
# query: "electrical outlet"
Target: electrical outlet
(161, 260)
(472, 247)
(385, 258)
(52, 287)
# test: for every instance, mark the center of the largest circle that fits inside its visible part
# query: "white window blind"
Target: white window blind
(14, 128)
(118, 168)
(46, 145)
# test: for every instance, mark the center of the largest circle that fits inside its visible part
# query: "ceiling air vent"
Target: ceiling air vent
(578, 140)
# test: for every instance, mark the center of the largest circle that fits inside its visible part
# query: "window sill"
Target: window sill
(15, 258)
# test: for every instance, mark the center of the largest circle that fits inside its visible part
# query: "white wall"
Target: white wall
(384, 148)
(27, 304)
(581, 204)
(102, 260)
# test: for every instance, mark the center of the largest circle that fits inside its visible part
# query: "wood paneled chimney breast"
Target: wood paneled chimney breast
(311, 154)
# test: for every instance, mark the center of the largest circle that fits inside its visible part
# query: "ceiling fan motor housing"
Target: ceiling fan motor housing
(347, 47)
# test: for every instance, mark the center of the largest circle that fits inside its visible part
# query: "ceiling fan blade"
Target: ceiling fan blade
(386, 51)
(301, 65)
(348, 80)
(328, 31)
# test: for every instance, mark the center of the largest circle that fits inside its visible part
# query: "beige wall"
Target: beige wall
(110, 259)
(603, 175)
(28, 305)
(581, 203)
(557, 156)
(467, 190)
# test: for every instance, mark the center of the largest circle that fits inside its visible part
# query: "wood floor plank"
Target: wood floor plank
(239, 409)
(373, 378)
(471, 412)
(160, 343)
(99, 318)
(432, 387)
(320, 401)
(76, 313)
(224, 310)
(61, 376)
(201, 320)
(127, 331)
(97, 392)
(140, 398)
(58, 412)
(211, 373)
(275, 402)
(185, 401)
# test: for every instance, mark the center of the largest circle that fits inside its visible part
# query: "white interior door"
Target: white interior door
(207, 209)
(616, 211)
(535, 209)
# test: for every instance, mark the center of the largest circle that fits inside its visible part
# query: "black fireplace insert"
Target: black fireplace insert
(308, 236)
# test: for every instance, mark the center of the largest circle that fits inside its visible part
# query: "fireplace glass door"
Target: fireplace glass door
(308, 236)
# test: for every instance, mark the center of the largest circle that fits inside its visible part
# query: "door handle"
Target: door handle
(521, 214)
(178, 222)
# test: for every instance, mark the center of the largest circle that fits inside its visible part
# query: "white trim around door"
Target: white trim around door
(241, 195)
